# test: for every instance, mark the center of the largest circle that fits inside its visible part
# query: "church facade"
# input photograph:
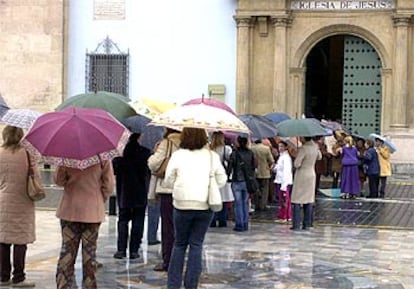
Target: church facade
(339, 60)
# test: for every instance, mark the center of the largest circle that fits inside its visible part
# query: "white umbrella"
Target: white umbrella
(200, 116)
(23, 118)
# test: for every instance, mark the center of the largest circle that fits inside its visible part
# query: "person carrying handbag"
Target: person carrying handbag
(171, 140)
(17, 210)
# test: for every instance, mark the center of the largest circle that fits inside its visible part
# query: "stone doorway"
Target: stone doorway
(343, 83)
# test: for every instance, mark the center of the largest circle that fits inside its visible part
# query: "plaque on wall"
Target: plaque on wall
(109, 9)
(342, 4)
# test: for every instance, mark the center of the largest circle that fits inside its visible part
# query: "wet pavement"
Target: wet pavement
(363, 243)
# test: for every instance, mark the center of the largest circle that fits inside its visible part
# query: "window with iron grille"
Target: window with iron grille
(107, 68)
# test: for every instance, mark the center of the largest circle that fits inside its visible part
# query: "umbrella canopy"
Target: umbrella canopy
(150, 135)
(200, 116)
(210, 102)
(305, 127)
(3, 106)
(115, 104)
(151, 107)
(277, 117)
(386, 141)
(21, 117)
(260, 127)
(76, 137)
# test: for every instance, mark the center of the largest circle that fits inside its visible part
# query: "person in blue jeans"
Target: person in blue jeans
(188, 174)
(241, 164)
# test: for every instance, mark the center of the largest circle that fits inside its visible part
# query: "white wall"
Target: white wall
(176, 47)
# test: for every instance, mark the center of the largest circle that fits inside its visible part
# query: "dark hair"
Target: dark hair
(193, 138)
(242, 141)
(307, 138)
(134, 137)
(369, 142)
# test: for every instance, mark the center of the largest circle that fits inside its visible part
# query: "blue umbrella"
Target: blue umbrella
(150, 135)
(386, 141)
(259, 126)
(3, 106)
(277, 117)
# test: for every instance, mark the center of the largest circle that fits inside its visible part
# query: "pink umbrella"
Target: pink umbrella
(210, 102)
(76, 137)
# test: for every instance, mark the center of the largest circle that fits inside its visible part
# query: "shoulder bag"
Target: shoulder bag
(214, 196)
(35, 190)
(160, 173)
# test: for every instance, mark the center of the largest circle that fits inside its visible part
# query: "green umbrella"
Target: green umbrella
(300, 127)
(115, 104)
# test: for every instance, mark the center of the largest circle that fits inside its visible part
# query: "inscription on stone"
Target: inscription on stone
(341, 5)
(109, 9)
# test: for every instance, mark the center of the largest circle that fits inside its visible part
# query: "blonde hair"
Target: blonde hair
(217, 140)
(11, 137)
(349, 140)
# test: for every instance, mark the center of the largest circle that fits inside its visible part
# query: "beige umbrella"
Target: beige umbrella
(200, 116)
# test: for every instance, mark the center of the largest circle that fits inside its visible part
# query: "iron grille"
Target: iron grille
(107, 70)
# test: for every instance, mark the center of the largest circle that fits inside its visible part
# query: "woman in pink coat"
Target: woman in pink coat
(17, 211)
(81, 211)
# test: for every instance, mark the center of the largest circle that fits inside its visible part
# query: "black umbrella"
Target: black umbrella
(259, 126)
(150, 134)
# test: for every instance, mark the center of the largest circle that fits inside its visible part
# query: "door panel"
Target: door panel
(361, 106)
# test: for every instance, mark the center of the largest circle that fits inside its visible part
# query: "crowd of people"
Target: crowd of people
(249, 174)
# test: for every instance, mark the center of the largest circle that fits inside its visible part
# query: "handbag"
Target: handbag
(35, 190)
(214, 196)
(160, 172)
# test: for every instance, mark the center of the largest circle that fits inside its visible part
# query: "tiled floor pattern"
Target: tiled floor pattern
(268, 256)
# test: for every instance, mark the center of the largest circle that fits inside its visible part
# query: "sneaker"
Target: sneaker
(119, 255)
(23, 284)
(152, 243)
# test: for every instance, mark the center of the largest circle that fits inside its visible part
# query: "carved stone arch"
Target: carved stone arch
(301, 54)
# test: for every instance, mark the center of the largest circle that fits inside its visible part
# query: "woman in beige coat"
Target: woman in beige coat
(303, 193)
(171, 140)
(17, 211)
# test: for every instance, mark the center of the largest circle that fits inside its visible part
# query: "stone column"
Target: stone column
(243, 63)
(294, 103)
(280, 24)
(386, 115)
(399, 101)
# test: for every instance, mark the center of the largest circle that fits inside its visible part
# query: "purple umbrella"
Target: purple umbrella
(76, 137)
(210, 102)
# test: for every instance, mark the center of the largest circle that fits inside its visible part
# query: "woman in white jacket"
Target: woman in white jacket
(188, 173)
(283, 181)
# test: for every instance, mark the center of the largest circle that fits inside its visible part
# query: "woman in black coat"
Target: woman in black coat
(132, 178)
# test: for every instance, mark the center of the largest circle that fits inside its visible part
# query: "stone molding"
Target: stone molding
(401, 20)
